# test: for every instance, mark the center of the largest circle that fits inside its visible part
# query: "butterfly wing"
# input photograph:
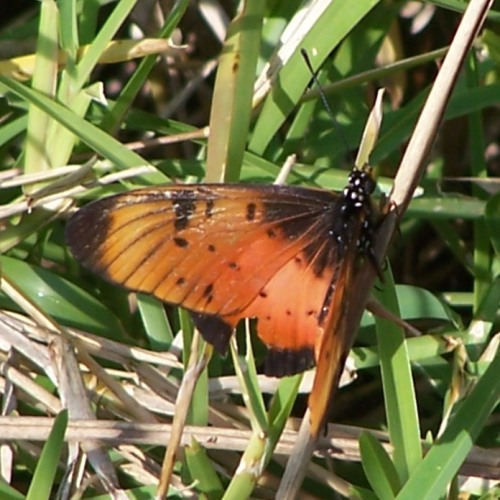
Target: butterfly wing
(224, 252)
(335, 332)
(289, 306)
(333, 349)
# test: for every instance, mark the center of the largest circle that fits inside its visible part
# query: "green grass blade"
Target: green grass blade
(111, 26)
(95, 138)
(417, 303)
(326, 32)
(60, 298)
(68, 25)
(12, 128)
(132, 87)
(443, 460)
(248, 470)
(482, 257)
(399, 394)
(155, 321)
(281, 408)
(44, 80)
(43, 478)
(7, 492)
(202, 471)
(247, 376)
(232, 100)
(378, 467)
(493, 221)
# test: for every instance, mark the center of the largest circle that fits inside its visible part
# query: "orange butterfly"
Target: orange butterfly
(227, 252)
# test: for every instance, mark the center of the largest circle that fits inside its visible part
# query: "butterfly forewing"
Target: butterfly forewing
(224, 251)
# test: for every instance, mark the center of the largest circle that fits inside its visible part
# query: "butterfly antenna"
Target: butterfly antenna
(305, 55)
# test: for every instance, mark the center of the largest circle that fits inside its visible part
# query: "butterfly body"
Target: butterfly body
(226, 252)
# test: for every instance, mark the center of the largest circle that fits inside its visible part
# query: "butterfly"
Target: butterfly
(281, 254)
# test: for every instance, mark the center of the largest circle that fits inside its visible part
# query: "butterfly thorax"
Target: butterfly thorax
(351, 228)
(356, 209)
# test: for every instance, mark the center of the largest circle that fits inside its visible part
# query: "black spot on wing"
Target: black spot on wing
(214, 330)
(284, 362)
(184, 206)
(209, 208)
(208, 293)
(211, 248)
(181, 242)
(251, 211)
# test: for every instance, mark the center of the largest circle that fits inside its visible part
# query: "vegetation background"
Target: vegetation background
(83, 117)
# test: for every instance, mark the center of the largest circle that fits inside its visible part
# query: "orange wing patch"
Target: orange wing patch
(224, 252)
(288, 308)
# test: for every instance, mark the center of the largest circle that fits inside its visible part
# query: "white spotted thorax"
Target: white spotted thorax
(354, 219)
(356, 193)
(357, 203)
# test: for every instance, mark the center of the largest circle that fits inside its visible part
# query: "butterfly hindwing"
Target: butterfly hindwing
(288, 308)
(335, 340)
(224, 252)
